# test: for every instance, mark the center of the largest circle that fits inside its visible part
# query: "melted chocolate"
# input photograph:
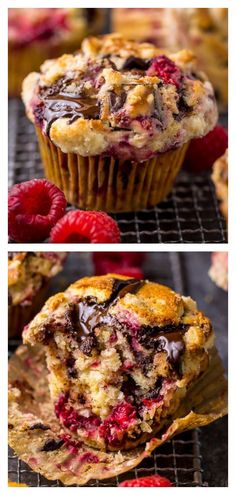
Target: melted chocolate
(67, 105)
(168, 339)
(136, 63)
(172, 344)
(87, 314)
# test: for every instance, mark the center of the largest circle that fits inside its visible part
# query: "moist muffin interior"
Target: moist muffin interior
(120, 98)
(121, 354)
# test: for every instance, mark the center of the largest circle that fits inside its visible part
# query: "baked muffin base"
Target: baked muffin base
(35, 432)
(104, 183)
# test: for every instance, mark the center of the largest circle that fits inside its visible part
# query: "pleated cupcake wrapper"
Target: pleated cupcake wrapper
(30, 406)
(19, 315)
(103, 183)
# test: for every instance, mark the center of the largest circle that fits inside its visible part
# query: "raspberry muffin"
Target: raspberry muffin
(28, 276)
(219, 270)
(114, 121)
(220, 179)
(121, 355)
(203, 30)
(37, 34)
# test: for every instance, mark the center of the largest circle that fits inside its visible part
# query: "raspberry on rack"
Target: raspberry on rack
(85, 226)
(33, 209)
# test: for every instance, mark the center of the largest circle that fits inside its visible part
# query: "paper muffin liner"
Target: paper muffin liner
(35, 432)
(104, 183)
(21, 314)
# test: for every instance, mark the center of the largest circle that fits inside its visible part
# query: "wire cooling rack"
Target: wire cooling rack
(178, 459)
(190, 213)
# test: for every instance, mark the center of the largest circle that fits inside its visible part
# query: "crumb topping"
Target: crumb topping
(114, 92)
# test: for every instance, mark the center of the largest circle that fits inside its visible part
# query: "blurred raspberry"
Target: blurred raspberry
(154, 480)
(203, 152)
(121, 263)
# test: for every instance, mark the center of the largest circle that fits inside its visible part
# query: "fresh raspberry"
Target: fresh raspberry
(85, 226)
(34, 207)
(166, 70)
(203, 152)
(154, 480)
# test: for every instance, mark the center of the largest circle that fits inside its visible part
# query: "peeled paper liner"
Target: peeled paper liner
(29, 404)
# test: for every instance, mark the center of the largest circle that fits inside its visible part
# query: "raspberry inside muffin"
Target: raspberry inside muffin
(121, 354)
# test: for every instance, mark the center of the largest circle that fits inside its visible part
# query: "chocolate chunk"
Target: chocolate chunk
(143, 361)
(117, 101)
(70, 363)
(87, 345)
(81, 398)
(129, 387)
(52, 444)
(45, 334)
(135, 63)
(39, 426)
(155, 392)
(183, 108)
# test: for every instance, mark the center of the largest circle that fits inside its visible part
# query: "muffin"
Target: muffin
(37, 34)
(219, 270)
(220, 179)
(203, 30)
(121, 355)
(28, 276)
(114, 121)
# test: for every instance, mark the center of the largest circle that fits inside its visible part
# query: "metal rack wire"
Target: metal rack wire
(190, 213)
(178, 459)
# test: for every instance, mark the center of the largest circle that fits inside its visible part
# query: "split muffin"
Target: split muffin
(114, 121)
(121, 355)
(28, 276)
(36, 34)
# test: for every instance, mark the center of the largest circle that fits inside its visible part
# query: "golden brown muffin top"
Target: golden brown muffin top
(128, 301)
(120, 98)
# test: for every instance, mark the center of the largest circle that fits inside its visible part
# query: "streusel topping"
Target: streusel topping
(120, 98)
